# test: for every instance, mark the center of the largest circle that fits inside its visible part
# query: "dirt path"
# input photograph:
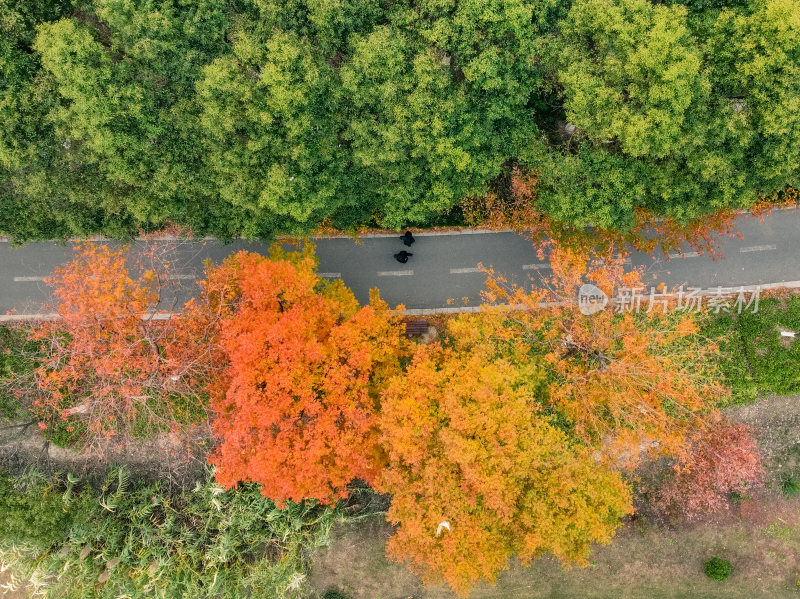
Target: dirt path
(777, 424)
(162, 457)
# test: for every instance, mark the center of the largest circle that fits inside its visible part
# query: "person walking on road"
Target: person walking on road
(407, 238)
(402, 256)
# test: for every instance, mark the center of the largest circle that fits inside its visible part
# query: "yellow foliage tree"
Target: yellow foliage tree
(477, 471)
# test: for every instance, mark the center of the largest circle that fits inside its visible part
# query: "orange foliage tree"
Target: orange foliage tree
(478, 471)
(631, 382)
(513, 436)
(113, 365)
(295, 409)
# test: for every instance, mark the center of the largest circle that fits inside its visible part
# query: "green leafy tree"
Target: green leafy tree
(411, 128)
(491, 49)
(263, 117)
(35, 178)
(756, 67)
(327, 24)
(124, 78)
(630, 73)
(649, 124)
(272, 134)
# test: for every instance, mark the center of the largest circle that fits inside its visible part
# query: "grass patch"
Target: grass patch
(790, 486)
(754, 359)
(18, 358)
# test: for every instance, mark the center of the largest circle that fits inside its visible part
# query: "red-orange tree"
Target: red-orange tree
(722, 460)
(113, 365)
(478, 471)
(295, 410)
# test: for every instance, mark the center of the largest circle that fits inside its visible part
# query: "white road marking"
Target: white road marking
(603, 262)
(28, 279)
(395, 273)
(417, 311)
(181, 277)
(330, 275)
(463, 271)
(684, 255)
(536, 267)
(758, 248)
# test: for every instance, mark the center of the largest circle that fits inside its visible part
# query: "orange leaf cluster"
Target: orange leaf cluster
(633, 383)
(110, 364)
(512, 437)
(296, 408)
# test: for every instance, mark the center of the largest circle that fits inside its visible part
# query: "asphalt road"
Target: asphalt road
(442, 273)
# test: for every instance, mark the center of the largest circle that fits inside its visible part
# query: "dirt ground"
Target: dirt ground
(164, 457)
(760, 536)
(776, 421)
(5, 580)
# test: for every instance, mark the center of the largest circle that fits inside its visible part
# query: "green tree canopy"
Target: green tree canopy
(124, 77)
(631, 74)
(260, 117)
(756, 68)
(410, 128)
(657, 118)
(272, 132)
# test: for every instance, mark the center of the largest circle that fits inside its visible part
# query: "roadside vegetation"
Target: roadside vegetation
(63, 538)
(755, 359)
(520, 434)
(524, 439)
(19, 357)
(262, 117)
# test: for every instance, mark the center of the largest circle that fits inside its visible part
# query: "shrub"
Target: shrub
(717, 568)
(790, 486)
(334, 594)
(140, 541)
(18, 358)
(34, 512)
(723, 460)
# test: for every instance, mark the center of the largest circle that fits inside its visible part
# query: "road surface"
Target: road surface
(443, 273)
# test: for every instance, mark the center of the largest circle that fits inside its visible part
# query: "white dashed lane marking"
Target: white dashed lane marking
(463, 271)
(536, 267)
(28, 279)
(330, 275)
(684, 255)
(603, 262)
(395, 273)
(758, 248)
